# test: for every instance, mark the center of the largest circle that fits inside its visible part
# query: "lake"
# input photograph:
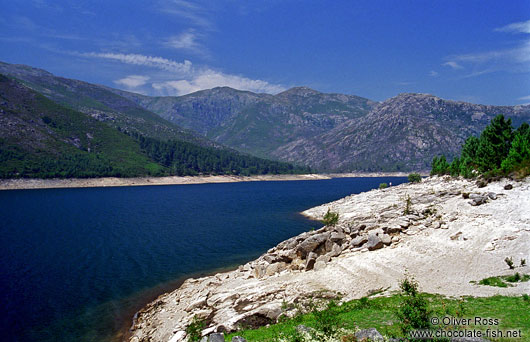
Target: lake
(75, 264)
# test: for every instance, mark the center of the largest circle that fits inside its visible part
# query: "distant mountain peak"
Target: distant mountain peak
(299, 91)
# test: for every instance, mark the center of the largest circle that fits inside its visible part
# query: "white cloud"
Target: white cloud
(133, 81)
(192, 12)
(185, 40)
(208, 79)
(524, 98)
(433, 73)
(184, 77)
(453, 65)
(188, 41)
(150, 61)
(519, 27)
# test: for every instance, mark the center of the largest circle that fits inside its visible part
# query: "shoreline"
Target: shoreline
(58, 183)
(465, 240)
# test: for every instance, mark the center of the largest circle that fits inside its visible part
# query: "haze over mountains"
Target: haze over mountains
(328, 132)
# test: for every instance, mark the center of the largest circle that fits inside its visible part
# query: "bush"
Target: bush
(413, 311)
(330, 218)
(327, 321)
(414, 178)
(195, 328)
(509, 262)
(383, 186)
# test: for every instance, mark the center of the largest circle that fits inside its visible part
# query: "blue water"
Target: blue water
(75, 264)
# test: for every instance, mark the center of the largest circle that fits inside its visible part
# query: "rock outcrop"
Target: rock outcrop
(441, 238)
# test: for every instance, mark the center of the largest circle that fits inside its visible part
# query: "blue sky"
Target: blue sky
(476, 51)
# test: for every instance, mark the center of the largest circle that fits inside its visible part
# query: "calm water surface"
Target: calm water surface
(75, 264)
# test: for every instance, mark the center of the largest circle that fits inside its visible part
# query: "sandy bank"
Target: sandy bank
(444, 240)
(14, 184)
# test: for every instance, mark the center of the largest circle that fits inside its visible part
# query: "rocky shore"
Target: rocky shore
(445, 233)
(23, 183)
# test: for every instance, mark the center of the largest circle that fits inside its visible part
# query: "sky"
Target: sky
(474, 51)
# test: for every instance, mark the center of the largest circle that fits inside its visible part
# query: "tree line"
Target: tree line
(183, 158)
(499, 149)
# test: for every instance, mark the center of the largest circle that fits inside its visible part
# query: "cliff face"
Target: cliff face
(444, 241)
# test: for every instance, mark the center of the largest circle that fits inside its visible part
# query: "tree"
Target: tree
(494, 144)
(519, 151)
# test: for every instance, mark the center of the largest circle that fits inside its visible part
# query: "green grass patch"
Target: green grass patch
(380, 313)
(505, 281)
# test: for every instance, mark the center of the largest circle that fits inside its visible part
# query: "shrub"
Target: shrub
(327, 321)
(413, 311)
(408, 206)
(509, 262)
(383, 186)
(330, 218)
(414, 178)
(195, 328)
(523, 262)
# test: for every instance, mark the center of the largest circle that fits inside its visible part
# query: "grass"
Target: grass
(380, 313)
(504, 281)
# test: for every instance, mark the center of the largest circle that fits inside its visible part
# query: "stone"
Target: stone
(275, 268)
(303, 329)
(310, 262)
(374, 242)
(336, 236)
(386, 239)
(478, 200)
(358, 241)
(319, 264)
(216, 337)
(393, 229)
(481, 183)
(259, 271)
(368, 335)
(311, 243)
(508, 187)
(324, 258)
(238, 339)
(336, 250)
(179, 336)
(492, 195)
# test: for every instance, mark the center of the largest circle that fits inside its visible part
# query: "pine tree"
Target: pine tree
(494, 144)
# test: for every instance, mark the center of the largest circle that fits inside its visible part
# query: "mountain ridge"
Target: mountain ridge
(329, 132)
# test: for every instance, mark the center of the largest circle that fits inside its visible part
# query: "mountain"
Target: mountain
(328, 132)
(100, 103)
(41, 138)
(400, 134)
(332, 132)
(258, 124)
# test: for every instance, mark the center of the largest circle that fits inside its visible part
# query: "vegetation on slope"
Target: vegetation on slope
(41, 139)
(499, 150)
(395, 316)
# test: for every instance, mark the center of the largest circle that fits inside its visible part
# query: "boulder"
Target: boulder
(386, 239)
(393, 229)
(478, 200)
(310, 261)
(374, 242)
(215, 337)
(337, 236)
(238, 339)
(311, 243)
(368, 335)
(275, 268)
(358, 241)
(336, 250)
